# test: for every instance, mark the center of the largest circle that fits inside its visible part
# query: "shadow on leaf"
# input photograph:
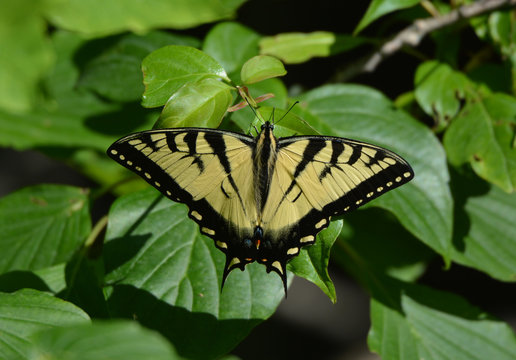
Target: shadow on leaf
(195, 335)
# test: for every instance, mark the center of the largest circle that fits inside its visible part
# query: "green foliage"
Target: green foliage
(123, 340)
(261, 67)
(73, 74)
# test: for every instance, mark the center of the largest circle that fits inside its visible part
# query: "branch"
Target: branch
(413, 34)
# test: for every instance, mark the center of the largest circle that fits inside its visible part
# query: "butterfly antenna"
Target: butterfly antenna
(290, 108)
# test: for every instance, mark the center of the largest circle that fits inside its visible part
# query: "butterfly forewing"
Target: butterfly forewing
(319, 177)
(205, 169)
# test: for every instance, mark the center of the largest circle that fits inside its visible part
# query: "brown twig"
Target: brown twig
(413, 34)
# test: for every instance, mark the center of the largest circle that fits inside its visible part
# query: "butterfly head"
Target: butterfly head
(268, 126)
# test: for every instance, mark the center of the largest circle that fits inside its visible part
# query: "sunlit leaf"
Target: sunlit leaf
(134, 15)
(201, 104)
(167, 69)
(261, 67)
(378, 8)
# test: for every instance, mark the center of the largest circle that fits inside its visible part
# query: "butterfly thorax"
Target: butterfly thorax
(265, 154)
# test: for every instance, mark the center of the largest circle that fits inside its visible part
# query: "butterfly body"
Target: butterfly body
(261, 198)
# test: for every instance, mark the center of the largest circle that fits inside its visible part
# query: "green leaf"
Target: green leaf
(71, 117)
(168, 276)
(295, 48)
(497, 77)
(202, 103)
(42, 225)
(503, 34)
(485, 232)
(134, 15)
(440, 90)
(167, 69)
(44, 128)
(483, 135)
(26, 53)
(312, 262)
(84, 281)
(245, 118)
(390, 335)
(26, 312)
(386, 247)
(415, 322)
(54, 277)
(102, 340)
(423, 206)
(261, 67)
(231, 44)
(378, 8)
(291, 124)
(115, 73)
(15, 280)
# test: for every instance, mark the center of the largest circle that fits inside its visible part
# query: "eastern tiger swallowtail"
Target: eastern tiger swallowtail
(263, 198)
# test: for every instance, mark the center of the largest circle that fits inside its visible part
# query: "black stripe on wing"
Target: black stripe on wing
(378, 184)
(125, 152)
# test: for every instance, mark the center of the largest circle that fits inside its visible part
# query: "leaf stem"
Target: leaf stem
(97, 229)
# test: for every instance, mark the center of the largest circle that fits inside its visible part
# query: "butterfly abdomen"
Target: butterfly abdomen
(265, 155)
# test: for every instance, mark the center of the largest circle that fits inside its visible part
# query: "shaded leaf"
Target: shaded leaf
(133, 15)
(124, 340)
(42, 225)
(84, 284)
(312, 262)
(168, 276)
(483, 135)
(167, 69)
(502, 33)
(115, 73)
(485, 232)
(231, 44)
(26, 312)
(261, 67)
(71, 117)
(418, 322)
(387, 247)
(423, 206)
(390, 335)
(202, 103)
(378, 8)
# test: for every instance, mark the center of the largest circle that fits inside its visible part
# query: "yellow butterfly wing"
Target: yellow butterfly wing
(209, 170)
(318, 177)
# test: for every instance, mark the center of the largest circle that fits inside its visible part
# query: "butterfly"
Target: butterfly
(261, 198)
